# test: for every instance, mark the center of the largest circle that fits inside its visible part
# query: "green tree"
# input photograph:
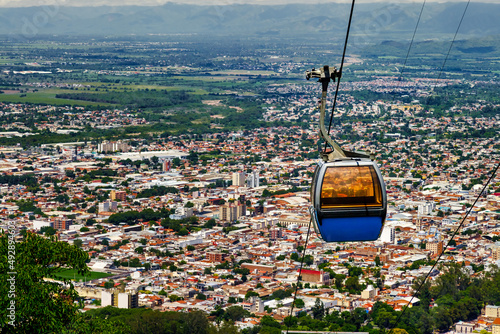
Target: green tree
(352, 284)
(236, 313)
(308, 260)
(183, 232)
(268, 321)
(48, 230)
(109, 284)
(42, 306)
(265, 193)
(251, 294)
(299, 303)
(318, 310)
(355, 271)
(210, 223)
(174, 298)
(227, 327)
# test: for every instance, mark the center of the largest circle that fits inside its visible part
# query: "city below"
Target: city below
(175, 178)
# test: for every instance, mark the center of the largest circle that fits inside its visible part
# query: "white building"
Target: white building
(106, 299)
(181, 213)
(369, 293)
(127, 300)
(239, 179)
(253, 180)
(388, 235)
(119, 299)
(113, 147)
(108, 206)
(426, 209)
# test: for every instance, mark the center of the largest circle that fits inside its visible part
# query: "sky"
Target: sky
(27, 3)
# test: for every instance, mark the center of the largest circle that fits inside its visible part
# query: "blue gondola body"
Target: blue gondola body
(349, 201)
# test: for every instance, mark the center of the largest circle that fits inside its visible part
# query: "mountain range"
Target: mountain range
(375, 21)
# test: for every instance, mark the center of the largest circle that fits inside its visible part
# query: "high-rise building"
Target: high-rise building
(253, 179)
(426, 209)
(241, 210)
(166, 165)
(239, 179)
(128, 300)
(275, 234)
(113, 147)
(369, 293)
(118, 195)
(232, 211)
(228, 212)
(435, 247)
(62, 224)
(106, 299)
(496, 252)
(108, 206)
(216, 257)
(492, 311)
(120, 299)
(388, 235)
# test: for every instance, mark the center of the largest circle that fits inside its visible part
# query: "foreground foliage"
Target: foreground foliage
(43, 306)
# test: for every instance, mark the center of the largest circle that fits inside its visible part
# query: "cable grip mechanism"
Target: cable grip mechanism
(325, 76)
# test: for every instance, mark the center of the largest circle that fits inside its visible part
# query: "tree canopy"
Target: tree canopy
(43, 306)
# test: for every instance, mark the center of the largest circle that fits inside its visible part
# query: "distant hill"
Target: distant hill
(377, 21)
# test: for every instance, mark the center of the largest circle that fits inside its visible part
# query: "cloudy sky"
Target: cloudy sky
(26, 3)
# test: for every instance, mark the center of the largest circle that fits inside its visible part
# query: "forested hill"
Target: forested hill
(377, 20)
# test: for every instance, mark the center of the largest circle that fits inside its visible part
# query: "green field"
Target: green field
(243, 72)
(46, 97)
(72, 274)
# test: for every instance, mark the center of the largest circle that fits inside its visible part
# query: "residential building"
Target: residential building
(128, 300)
(496, 326)
(230, 212)
(118, 195)
(253, 180)
(108, 206)
(388, 235)
(275, 234)
(216, 257)
(118, 146)
(369, 293)
(62, 224)
(119, 299)
(464, 327)
(435, 247)
(492, 311)
(239, 179)
(495, 250)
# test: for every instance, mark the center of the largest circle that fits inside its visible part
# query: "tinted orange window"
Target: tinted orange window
(353, 186)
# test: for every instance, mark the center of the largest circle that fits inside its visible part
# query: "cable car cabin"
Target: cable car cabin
(349, 200)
